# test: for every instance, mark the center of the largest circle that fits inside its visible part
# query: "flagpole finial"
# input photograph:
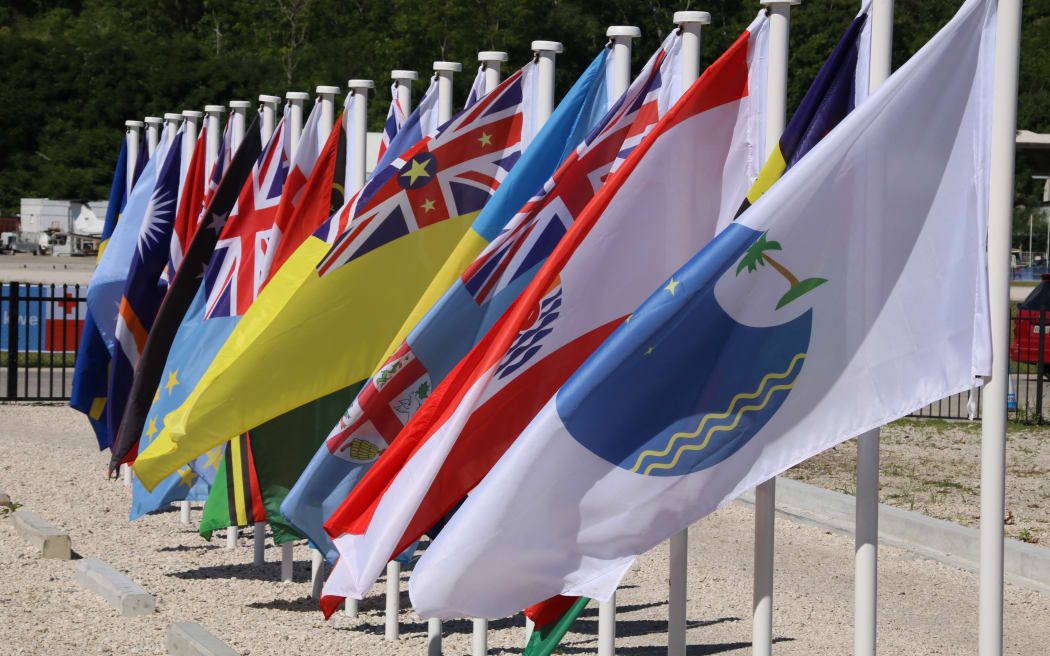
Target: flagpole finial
(264, 98)
(214, 109)
(138, 125)
(492, 56)
(297, 96)
(240, 104)
(547, 46)
(399, 75)
(447, 67)
(699, 17)
(192, 113)
(327, 90)
(360, 85)
(630, 31)
(769, 3)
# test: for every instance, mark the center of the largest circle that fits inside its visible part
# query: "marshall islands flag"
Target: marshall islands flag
(820, 314)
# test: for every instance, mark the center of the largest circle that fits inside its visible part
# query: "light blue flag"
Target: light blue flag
(340, 463)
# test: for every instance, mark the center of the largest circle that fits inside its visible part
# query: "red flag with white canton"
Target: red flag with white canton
(657, 210)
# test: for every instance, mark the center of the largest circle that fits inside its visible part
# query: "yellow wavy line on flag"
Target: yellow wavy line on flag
(714, 416)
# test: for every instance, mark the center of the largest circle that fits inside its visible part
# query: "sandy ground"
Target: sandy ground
(50, 465)
(46, 269)
(933, 467)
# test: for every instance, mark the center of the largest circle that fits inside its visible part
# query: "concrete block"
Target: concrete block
(53, 542)
(122, 593)
(192, 639)
(4, 499)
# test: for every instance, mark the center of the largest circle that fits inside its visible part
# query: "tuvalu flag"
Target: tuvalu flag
(91, 374)
(751, 365)
(568, 309)
(147, 381)
(355, 279)
(394, 392)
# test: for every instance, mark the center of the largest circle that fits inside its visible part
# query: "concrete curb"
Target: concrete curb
(192, 639)
(122, 593)
(53, 542)
(1024, 564)
(4, 499)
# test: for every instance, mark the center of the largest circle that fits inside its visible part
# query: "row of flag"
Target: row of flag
(547, 348)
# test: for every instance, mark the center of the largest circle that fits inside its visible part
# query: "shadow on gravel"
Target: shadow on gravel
(244, 571)
(448, 627)
(191, 547)
(692, 650)
(300, 605)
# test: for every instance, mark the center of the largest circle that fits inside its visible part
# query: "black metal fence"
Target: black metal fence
(40, 328)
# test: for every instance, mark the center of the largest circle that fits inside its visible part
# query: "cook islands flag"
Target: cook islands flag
(820, 314)
(356, 278)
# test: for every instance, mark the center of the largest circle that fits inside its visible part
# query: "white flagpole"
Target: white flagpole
(765, 494)
(239, 109)
(393, 599)
(866, 533)
(134, 136)
(295, 117)
(214, 136)
(607, 627)
(404, 88)
(153, 124)
(171, 125)
(993, 420)
(189, 143)
(444, 70)
(689, 23)
(295, 131)
(357, 136)
(545, 51)
(268, 116)
(491, 60)
(327, 98)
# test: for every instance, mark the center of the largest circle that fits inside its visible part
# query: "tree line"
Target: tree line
(74, 70)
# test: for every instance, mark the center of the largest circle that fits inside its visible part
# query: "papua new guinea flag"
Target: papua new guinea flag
(91, 375)
(702, 153)
(146, 384)
(820, 314)
(394, 392)
(355, 280)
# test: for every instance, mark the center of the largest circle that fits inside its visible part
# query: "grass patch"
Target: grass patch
(945, 484)
(32, 359)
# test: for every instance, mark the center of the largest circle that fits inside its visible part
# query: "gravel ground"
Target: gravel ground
(934, 467)
(51, 466)
(46, 269)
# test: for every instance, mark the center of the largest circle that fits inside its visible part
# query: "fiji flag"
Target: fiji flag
(400, 386)
(356, 280)
(739, 365)
(91, 375)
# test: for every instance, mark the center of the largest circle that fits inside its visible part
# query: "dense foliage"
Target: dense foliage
(74, 70)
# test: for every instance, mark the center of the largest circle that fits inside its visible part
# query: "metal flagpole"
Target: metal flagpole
(268, 105)
(444, 70)
(171, 125)
(689, 23)
(134, 136)
(491, 60)
(327, 99)
(607, 627)
(239, 109)
(214, 136)
(993, 419)
(404, 88)
(357, 137)
(866, 533)
(153, 124)
(765, 493)
(393, 600)
(545, 51)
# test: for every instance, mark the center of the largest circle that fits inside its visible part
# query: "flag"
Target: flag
(191, 206)
(356, 279)
(395, 118)
(143, 288)
(238, 500)
(91, 374)
(552, 619)
(361, 435)
(820, 314)
(477, 88)
(146, 386)
(575, 300)
(422, 122)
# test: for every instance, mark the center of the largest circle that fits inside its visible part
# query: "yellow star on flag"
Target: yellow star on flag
(156, 395)
(427, 205)
(485, 139)
(214, 458)
(187, 476)
(649, 351)
(671, 286)
(152, 430)
(418, 170)
(172, 380)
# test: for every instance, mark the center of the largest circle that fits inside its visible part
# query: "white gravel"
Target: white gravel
(50, 464)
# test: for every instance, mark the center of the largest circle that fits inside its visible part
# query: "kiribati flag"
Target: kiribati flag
(820, 314)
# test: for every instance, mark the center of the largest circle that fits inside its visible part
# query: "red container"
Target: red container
(1024, 347)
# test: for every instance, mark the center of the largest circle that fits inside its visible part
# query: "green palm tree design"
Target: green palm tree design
(756, 255)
